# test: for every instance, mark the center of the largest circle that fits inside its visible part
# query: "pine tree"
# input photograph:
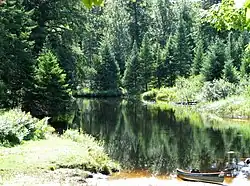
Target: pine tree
(245, 64)
(214, 61)
(230, 72)
(51, 94)
(131, 79)
(158, 66)
(171, 62)
(184, 42)
(16, 66)
(108, 74)
(198, 58)
(118, 29)
(146, 62)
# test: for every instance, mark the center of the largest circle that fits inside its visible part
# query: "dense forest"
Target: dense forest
(51, 50)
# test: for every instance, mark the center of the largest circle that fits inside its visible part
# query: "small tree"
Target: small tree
(198, 58)
(245, 64)
(230, 72)
(146, 61)
(214, 62)
(108, 72)
(51, 94)
(131, 79)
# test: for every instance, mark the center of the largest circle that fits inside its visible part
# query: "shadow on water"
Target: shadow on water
(144, 137)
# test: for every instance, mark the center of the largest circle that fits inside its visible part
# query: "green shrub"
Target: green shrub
(188, 89)
(166, 94)
(17, 126)
(217, 89)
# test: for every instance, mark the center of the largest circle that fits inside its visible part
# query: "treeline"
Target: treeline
(51, 49)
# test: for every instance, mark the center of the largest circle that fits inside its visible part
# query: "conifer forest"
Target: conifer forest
(53, 50)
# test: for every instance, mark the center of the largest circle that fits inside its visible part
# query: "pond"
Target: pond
(160, 139)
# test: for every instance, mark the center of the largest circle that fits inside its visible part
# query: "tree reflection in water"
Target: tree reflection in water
(157, 139)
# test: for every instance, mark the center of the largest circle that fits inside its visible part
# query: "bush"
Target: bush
(218, 89)
(166, 94)
(17, 126)
(188, 89)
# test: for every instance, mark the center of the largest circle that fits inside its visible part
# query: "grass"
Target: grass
(37, 158)
(231, 107)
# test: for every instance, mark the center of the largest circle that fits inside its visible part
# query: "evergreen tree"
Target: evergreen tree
(183, 51)
(230, 72)
(198, 58)
(131, 79)
(146, 62)
(108, 74)
(51, 94)
(171, 64)
(214, 61)
(118, 29)
(239, 48)
(245, 64)
(139, 19)
(163, 23)
(16, 59)
(158, 66)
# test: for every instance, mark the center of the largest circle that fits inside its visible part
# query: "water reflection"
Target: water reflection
(144, 137)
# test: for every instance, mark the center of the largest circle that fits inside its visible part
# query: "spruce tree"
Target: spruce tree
(158, 66)
(51, 94)
(214, 61)
(230, 72)
(108, 74)
(131, 79)
(183, 51)
(16, 59)
(146, 62)
(171, 61)
(245, 64)
(198, 58)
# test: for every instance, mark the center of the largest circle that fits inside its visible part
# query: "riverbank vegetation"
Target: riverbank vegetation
(28, 149)
(219, 97)
(53, 51)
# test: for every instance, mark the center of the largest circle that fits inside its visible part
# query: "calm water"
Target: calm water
(159, 140)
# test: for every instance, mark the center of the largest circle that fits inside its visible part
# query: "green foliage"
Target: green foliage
(17, 126)
(245, 64)
(51, 94)
(188, 89)
(214, 61)
(98, 160)
(146, 62)
(227, 16)
(198, 58)
(231, 107)
(217, 89)
(107, 76)
(91, 3)
(15, 51)
(167, 95)
(184, 41)
(230, 72)
(131, 79)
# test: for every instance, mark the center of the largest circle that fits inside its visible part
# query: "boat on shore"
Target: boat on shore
(214, 177)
